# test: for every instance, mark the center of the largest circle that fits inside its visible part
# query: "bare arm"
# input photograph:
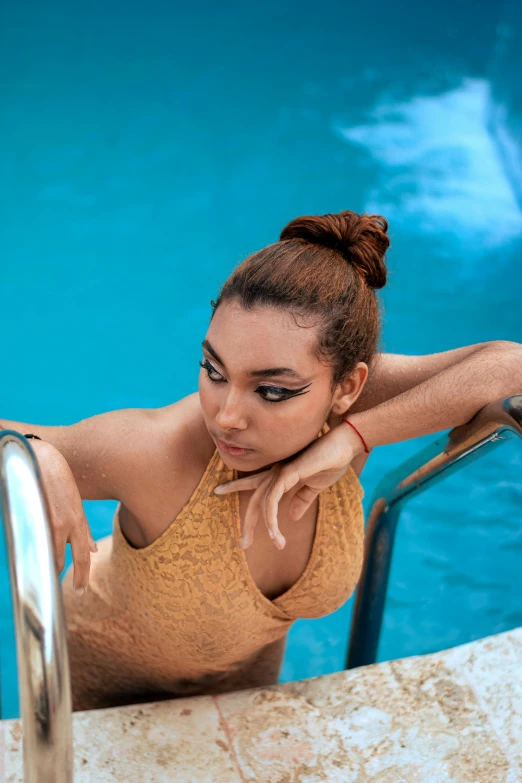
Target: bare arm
(129, 455)
(107, 452)
(392, 373)
(445, 400)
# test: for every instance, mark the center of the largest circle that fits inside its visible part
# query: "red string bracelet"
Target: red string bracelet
(367, 450)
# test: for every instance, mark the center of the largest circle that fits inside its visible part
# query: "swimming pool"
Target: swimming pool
(149, 149)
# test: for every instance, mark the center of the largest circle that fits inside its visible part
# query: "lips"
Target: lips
(231, 447)
(230, 443)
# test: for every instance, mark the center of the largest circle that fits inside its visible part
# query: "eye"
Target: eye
(209, 369)
(281, 394)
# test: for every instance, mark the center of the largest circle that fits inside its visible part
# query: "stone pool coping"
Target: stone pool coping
(446, 717)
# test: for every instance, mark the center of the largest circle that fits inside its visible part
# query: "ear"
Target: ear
(348, 390)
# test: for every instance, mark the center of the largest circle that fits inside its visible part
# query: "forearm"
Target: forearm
(448, 399)
(392, 374)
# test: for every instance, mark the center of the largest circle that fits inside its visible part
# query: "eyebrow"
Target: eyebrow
(268, 372)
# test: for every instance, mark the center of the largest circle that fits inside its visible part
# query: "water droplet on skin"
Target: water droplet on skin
(103, 475)
(83, 476)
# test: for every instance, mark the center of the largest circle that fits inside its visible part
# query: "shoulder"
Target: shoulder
(185, 431)
(179, 450)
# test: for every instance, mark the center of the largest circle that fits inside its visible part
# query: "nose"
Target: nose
(231, 413)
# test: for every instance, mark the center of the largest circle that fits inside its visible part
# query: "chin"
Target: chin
(240, 461)
(251, 463)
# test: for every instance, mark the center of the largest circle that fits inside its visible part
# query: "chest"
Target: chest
(274, 570)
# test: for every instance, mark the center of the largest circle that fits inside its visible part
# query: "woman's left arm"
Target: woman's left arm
(446, 399)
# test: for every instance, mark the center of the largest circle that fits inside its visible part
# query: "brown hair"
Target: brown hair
(326, 266)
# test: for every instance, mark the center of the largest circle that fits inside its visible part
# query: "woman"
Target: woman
(183, 598)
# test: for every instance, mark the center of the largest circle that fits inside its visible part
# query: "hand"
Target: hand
(68, 521)
(320, 465)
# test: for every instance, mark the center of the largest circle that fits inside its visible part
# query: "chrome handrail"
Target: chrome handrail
(41, 640)
(497, 422)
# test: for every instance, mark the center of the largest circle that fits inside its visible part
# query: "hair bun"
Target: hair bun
(362, 240)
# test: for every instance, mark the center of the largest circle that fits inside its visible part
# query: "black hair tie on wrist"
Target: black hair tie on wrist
(30, 435)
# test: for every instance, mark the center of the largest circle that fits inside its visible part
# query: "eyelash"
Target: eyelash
(272, 389)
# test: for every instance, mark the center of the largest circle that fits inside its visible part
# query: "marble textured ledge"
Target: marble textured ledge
(449, 717)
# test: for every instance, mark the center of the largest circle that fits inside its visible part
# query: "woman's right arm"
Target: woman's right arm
(99, 450)
(107, 456)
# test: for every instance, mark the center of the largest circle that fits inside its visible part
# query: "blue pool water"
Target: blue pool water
(146, 149)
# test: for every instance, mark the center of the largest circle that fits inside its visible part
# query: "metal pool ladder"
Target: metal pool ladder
(41, 638)
(494, 424)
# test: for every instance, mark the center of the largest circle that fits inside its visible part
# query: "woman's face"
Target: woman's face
(261, 388)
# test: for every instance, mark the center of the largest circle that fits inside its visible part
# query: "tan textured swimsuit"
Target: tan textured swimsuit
(181, 614)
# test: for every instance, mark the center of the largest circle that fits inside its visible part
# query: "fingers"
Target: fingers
(80, 545)
(254, 510)
(248, 482)
(264, 503)
(60, 542)
(271, 504)
(287, 479)
(60, 546)
(269, 486)
(302, 501)
(257, 508)
(78, 534)
(67, 518)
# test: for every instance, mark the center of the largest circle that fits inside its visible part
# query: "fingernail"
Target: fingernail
(271, 533)
(80, 590)
(218, 488)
